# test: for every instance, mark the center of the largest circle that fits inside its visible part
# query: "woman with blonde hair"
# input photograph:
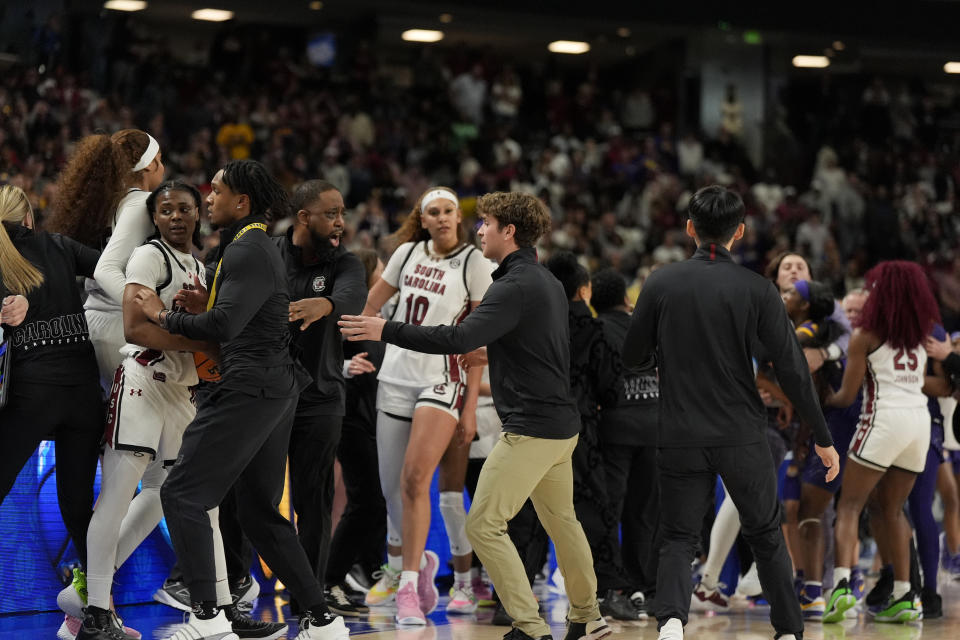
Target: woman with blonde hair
(53, 392)
(421, 400)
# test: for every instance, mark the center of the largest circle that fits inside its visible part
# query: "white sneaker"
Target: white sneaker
(216, 628)
(70, 602)
(749, 584)
(462, 599)
(672, 629)
(335, 630)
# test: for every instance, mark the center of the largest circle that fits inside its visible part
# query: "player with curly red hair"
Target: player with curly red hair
(889, 449)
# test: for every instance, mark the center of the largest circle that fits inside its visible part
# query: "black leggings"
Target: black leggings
(74, 417)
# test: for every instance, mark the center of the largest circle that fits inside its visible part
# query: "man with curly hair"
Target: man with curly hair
(522, 321)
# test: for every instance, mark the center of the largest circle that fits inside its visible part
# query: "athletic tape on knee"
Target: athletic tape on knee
(455, 522)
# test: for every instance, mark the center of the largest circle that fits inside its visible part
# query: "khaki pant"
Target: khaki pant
(520, 467)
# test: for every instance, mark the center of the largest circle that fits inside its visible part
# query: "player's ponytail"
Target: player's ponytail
(19, 275)
(92, 183)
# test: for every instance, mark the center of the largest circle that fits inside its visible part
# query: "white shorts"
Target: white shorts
(145, 415)
(488, 431)
(892, 438)
(400, 401)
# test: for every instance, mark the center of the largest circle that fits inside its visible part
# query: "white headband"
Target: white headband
(153, 148)
(437, 194)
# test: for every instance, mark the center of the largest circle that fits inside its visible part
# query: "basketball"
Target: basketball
(207, 369)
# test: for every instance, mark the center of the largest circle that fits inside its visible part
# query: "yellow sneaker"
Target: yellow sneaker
(385, 590)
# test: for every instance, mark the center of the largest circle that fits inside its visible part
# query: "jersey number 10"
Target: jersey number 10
(416, 309)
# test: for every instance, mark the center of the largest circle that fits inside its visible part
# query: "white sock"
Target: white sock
(98, 590)
(395, 563)
(408, 576)
(461, 578)
(708, 582)
(900, 588)
(423, 561)
(840, 573)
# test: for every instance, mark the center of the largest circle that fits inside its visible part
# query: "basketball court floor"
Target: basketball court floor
(744, 622)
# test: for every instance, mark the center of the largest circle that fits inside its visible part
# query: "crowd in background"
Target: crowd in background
(857, 170)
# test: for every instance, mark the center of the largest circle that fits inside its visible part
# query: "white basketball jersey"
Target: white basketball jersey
(894, 379)
(433, 291)
(160, 267)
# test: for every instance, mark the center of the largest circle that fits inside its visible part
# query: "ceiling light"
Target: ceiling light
(623, 32)
(422, 35)
(568, 46)
(811, 62)
(839, 46)
(212, 15)
(125, 5)
(446, 18)
(952, 67)
(316, 5)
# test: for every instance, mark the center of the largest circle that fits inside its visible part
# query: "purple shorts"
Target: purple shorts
(842, 426)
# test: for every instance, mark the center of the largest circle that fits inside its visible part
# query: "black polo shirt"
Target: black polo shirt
(703, 319)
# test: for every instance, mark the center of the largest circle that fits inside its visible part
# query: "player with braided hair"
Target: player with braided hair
(241, 433)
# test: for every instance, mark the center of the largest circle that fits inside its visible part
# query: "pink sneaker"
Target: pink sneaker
(70, 628)
(427, 583)
(408, 606)
(483, 592)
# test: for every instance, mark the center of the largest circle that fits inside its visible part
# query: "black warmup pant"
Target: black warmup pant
(240, 440)
(362, 529)
(313, 450)
(687, 481)
(73, 416)
(633, 488)
(236, 546)
(601, 523)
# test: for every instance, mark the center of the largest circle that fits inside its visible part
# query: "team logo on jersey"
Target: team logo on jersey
(454, 263)
(319, 284)
(440, 389)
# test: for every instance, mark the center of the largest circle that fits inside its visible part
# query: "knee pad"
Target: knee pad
(455, 522)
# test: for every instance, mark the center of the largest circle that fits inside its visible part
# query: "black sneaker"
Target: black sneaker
(617, 606)
(593, 630)
(640, 603)
(246, 627)
(174, 593)
(99, 624)
(355, 596)
(245, 593)
(500, 617)
(338, 602)
(883, 589)
(516, 634)
(932, 604)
